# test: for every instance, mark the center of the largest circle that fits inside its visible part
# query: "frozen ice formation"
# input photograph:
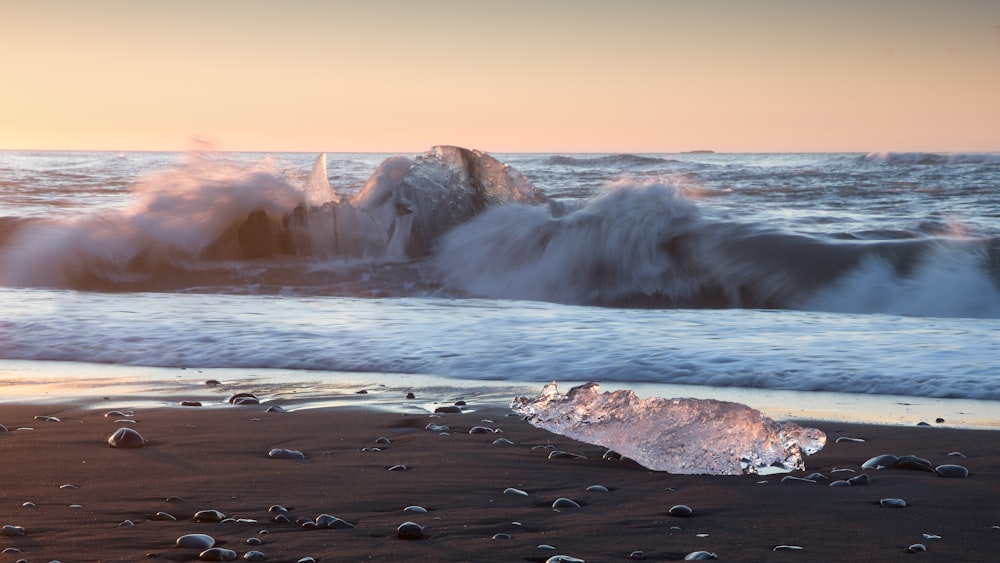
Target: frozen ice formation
(693, 436)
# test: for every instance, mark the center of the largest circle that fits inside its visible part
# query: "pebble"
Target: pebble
(3, 428)
(503, 441)
(254, 541)
(638, 555)
(213, 382)
(399, 467)
(564, 559)
(415, 508)
(114, 414)
(196, 541)
(9, 550)
(281, 519)
(563, 502)
(190, 403)
(276, 408)
(794, 479)
(279, 453)
(411, 396)
(48, 418)
(448, 410)
(9, 530)
(333, 523)
(884, 461)
(846, 439)
(409, 531)
(165, 516)
(277, 508)
(254, 555)
(218, 554)
(700, 555)
(481, 430)
(209, 516)
(914, 462)
(916, 548)
(957, 454)
(460, 403)
(565, 455)
(680, 510)
(244, 399)
(382, 440)
(513, 491)
(361, 392)
(860, 480)
(611, 455)
(840, 483)
(437, 427)
(501, 536)
(126, 438)
(126, 524)
(952, 471)
(787, 548)
(817, 477)
(892, 503)
(28, 504)
(597, 489)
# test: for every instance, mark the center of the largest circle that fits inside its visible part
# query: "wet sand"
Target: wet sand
(216, 457)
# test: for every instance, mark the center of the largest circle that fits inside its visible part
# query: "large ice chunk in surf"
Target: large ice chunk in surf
(694, 436)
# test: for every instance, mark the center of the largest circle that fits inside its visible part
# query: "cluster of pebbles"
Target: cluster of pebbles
(205, 547)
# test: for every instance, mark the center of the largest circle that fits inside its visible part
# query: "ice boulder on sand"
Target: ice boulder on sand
(693, 436)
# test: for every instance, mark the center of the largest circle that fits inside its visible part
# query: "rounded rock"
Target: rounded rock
(513, 491)
(164, 516)
(254, 541)
(638, 555)
(189, 403)
(126, 438)
(700, 555)
(409, 531)
(501, 536)
(860, 480)
(9, 530)
(414, 508)
(892, 503)
(218, 554)
(916, 548)
(564, 559)
(280, 453)
(209, 516)
(448, 410)
(254, 555)
(680, 510)
(196, 541)
(914, 462)
(244, 399)
(951, 471)
(597, 489)
(884, 461)
(563, 502)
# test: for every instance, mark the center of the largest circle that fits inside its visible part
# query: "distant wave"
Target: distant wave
(609, 160)
(929, 158)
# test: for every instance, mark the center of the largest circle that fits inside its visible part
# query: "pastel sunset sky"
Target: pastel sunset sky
(502, 76)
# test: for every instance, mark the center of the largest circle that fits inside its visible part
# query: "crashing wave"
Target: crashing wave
(690, 436)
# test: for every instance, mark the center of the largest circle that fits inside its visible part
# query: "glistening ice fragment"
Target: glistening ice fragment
(694, 436)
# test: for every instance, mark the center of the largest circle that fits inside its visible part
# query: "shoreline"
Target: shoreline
(90, 502)
(111, 385)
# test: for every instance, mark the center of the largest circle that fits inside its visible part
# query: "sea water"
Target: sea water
(775, 278)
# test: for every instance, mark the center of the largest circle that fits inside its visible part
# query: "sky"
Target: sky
(643, 76)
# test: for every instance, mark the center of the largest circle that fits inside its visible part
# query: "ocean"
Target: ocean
(772, 277)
